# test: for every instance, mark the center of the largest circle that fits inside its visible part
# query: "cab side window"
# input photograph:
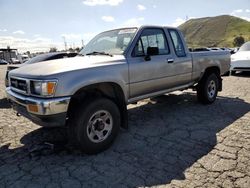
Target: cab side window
(151, 38)
(178, 45)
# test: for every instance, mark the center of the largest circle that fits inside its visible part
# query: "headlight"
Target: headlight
(43, 88)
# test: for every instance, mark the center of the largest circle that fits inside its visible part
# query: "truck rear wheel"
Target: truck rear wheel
(95, 125)
(207, 89)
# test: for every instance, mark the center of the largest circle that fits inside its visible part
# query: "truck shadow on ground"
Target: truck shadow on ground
(4, 103)
(166, 135)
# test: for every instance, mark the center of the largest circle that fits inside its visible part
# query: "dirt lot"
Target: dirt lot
(172, 141)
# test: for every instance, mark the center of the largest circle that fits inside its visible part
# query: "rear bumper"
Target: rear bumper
(49, 112)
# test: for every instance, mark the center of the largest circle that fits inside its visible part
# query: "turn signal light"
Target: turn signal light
(51, 88)
(32, 107)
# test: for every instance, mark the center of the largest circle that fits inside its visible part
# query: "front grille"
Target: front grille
(19, 84)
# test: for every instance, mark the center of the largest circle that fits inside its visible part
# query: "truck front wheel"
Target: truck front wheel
(95, 125)
(207, 89)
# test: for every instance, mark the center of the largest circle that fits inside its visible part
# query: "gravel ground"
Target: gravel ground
(172, 141)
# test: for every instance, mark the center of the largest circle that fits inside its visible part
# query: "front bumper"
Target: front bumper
(240, 65)
(49, 112)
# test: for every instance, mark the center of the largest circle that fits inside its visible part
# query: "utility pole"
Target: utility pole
(82, 43)
(65, 43)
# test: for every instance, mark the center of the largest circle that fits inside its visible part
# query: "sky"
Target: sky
(38, 25)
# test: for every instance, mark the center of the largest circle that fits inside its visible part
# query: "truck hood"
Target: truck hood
(67, 64)
(241, 55)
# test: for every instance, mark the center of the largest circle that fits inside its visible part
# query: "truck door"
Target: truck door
(154, 72)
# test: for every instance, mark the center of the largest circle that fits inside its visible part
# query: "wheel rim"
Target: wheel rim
(211, 89)
(99, 126)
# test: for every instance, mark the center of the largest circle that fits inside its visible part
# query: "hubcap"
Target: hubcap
(99, 126)
(211, 90)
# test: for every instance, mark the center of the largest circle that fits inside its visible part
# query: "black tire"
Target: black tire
(207, 88)
(79, 125)
(233, 72)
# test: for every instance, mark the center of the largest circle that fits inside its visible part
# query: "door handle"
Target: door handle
(170, 60)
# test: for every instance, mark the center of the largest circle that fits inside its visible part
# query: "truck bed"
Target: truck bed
(202, 60)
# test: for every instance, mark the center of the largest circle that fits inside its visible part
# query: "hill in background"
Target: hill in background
(215, 31)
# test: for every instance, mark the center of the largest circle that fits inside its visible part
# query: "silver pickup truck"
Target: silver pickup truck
(90, 92)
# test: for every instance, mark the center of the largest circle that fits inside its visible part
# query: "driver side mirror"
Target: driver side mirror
(151, 51)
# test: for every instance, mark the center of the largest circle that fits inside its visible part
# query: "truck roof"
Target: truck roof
(141, 27)
(158, 26)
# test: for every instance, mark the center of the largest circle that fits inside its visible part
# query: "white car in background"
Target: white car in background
(240, 61)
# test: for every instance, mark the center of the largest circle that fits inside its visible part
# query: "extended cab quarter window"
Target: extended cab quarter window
(178, 45)
(151, 38)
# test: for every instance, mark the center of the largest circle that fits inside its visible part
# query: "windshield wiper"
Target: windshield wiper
(99, 53)
(80, 55)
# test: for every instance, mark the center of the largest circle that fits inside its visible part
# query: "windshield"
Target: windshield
(113, 42)
(245, 47)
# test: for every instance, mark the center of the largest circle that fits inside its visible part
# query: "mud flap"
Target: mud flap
(220, 84)
(124, 116)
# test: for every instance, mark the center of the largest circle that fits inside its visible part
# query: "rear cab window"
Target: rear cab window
(177, 43)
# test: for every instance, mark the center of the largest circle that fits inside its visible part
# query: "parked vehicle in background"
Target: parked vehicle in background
(240, 61)
(234, 50)
(3, 62)
(14, 61)
(200, 49)
(8, 53)
(23, 58)
(90, 93)
(39, 58)
(215, 49)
